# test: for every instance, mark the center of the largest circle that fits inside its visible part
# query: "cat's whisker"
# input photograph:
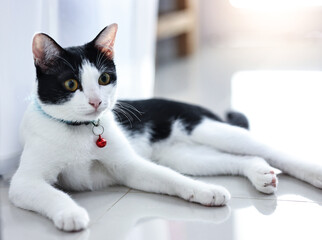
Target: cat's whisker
(130, 106)
(118, 116)
(130, 112)
(125, 114)
(126, 107)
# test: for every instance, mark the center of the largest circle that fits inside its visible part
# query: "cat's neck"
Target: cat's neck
(71, 123)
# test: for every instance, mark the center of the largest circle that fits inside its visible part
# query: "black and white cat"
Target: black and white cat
(76, 136)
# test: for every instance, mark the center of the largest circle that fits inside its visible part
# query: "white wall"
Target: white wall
(18, 21)
(220, 21)
(70, 22)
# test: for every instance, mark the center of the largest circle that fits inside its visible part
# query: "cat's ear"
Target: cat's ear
(45, 50)
(105, 40)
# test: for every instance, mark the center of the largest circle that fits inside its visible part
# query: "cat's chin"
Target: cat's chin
(94, 115)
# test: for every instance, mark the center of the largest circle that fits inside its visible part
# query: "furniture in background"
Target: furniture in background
(180, 22)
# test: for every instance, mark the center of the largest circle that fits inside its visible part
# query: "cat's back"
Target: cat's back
(157, 116)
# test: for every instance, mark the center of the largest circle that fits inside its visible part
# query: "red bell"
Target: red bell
(101, 142)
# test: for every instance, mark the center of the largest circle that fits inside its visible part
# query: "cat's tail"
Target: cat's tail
(237, 119)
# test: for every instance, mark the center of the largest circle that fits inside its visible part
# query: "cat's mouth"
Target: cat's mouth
(94, 113)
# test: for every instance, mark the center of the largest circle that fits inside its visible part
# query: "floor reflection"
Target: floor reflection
(244, 223)
(161, 229)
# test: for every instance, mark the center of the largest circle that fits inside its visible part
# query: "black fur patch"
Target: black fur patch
(159, 115)
(237, 119)
(66, 66)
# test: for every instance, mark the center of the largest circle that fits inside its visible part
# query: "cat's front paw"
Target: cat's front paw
(74, 219)
(209, 195)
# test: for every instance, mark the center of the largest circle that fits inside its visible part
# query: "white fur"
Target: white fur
(55, 152)
(239, 141)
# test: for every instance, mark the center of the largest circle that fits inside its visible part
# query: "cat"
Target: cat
(78, 136)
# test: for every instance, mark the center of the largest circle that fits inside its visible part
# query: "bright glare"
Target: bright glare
(284, 108)
(270, 5)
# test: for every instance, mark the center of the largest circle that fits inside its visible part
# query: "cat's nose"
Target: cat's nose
(95, 102)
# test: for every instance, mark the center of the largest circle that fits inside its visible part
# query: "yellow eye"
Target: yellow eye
(71, 85)
(104, 79)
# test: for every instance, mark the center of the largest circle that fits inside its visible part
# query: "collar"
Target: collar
(71, 123)
(97, 129)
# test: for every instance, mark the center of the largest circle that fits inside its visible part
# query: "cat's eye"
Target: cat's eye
(104, 79)
(71, 85)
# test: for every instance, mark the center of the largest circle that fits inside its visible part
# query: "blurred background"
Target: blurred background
(261, 57)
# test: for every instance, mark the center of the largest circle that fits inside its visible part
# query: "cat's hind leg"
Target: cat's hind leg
(199, 160)
(239, 141)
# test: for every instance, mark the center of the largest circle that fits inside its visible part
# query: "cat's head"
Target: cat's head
(78, 83)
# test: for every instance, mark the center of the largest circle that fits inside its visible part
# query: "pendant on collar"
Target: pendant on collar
(98, 130)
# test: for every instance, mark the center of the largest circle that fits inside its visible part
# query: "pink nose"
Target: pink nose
(95, 103)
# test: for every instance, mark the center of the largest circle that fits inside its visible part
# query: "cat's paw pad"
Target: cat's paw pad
(264, 180)
(210, 195)
(69, 220)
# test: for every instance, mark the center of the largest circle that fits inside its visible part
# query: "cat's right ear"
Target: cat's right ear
(105, 40)
(45, 50)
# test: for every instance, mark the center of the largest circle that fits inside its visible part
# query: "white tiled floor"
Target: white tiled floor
(210, 78)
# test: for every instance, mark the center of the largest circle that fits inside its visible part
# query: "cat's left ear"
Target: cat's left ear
(105, 40)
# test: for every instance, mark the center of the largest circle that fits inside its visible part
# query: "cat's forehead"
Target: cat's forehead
(83, 56)
(88, 73)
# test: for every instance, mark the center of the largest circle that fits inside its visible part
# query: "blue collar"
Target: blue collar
(72, 123)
